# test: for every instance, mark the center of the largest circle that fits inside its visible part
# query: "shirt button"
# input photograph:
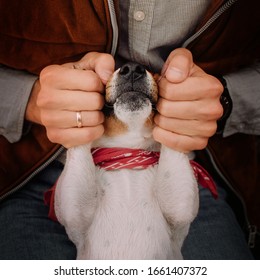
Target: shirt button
(139, 15)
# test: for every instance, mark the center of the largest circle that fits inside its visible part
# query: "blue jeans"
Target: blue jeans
(27, 233)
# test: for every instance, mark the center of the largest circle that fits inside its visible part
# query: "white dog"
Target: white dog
(128, 206)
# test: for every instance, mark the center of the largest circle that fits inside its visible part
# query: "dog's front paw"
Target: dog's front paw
(177, 188)
(75, 195)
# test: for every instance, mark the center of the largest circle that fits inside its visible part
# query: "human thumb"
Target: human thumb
(101, 63)
(178, 65)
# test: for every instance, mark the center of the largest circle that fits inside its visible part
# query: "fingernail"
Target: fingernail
(174, 74)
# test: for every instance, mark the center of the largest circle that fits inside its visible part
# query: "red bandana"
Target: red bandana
(124, 158)
(203, 178)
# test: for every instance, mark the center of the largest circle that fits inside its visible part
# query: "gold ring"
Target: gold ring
(79, 119)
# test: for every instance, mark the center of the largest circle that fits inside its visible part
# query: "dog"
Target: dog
(119, 209)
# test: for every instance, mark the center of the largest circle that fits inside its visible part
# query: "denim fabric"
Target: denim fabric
(215, 233)
(27, 233)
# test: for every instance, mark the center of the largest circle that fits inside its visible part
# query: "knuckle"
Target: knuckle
(162, 106)
(201, 143)
(216, 111)
(46, 79)
(213, 129)
(210, 129)
(212, 111)
(216, 88)
(53, 136)
(48, 74)
(219, 111)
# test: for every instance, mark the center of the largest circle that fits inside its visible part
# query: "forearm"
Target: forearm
(244, 89)
(15, 89)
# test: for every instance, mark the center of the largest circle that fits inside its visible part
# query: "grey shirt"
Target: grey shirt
(155, 27)
(15, 89)
(149, 29)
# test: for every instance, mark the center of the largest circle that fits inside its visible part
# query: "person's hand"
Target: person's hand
(189, 106)
(64, 90)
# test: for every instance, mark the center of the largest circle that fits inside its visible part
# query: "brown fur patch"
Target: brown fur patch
(114, 126)
(149, 122)
(154, 86)
(108, 90)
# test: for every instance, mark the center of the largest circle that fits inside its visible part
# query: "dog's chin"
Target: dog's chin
(132, 106)
(132, 101)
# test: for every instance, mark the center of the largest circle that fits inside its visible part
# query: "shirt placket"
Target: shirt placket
(140, 24)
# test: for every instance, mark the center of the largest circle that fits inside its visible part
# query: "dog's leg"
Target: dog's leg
(177, 192)
(76, 194)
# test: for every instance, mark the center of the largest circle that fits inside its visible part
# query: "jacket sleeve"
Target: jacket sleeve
(244, 89)
(15, 89)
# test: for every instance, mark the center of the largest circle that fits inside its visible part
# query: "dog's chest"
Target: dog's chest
(128, 219)
(125, 187)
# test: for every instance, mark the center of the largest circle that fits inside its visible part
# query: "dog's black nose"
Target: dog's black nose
(132, 71)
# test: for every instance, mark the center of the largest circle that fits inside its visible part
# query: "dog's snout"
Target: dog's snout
(133, 71)
(131, 83)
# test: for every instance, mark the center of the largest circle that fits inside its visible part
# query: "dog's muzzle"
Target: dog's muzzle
(131, 84)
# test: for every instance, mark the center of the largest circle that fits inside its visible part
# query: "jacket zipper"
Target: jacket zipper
(252, 229)
(218, 13)
(113, 19)
(34, 173)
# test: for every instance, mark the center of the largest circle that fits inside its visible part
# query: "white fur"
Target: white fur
(127, 214)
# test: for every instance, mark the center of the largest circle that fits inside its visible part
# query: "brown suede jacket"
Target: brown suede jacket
(35, 34)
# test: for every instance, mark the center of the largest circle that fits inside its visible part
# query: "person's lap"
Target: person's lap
(215, 233)
(26, 232)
